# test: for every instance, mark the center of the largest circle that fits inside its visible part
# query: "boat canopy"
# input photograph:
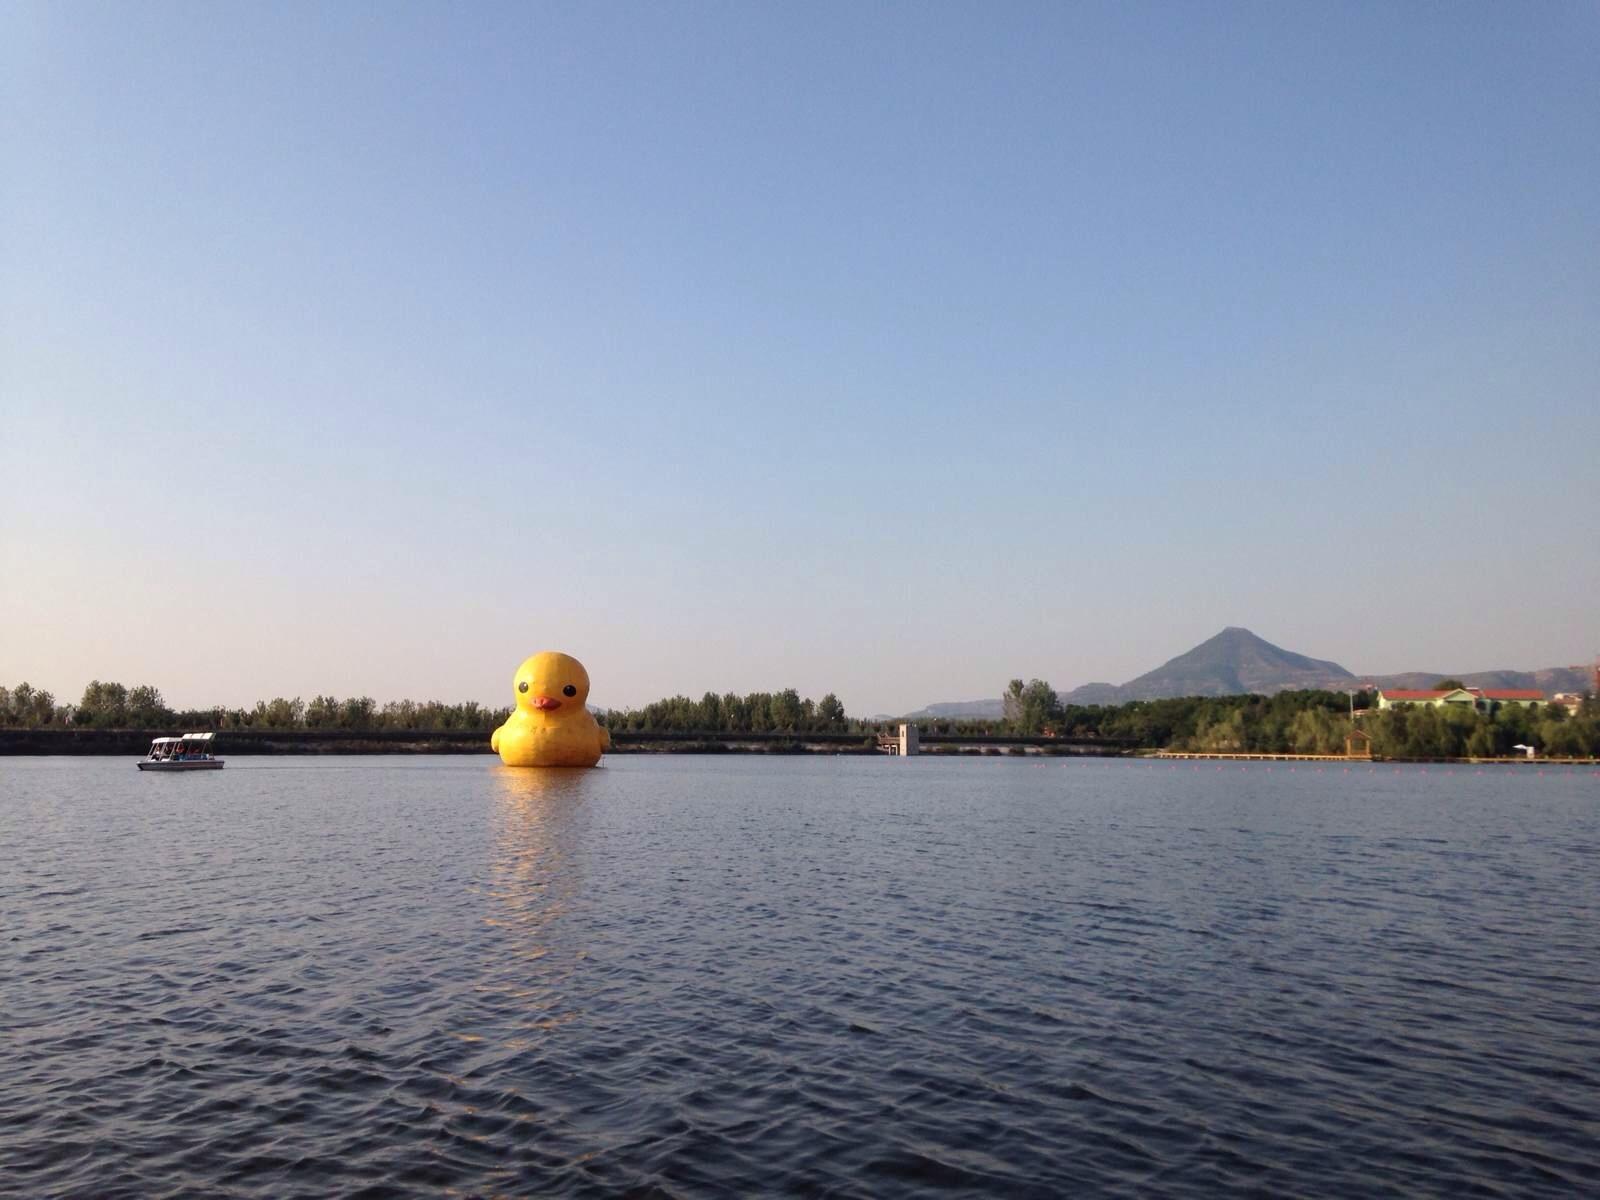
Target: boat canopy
(188, 737)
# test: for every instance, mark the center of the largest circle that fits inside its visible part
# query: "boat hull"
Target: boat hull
(210, 764)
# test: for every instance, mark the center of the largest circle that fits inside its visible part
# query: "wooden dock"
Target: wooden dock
(1518, 761)
(1342, 758)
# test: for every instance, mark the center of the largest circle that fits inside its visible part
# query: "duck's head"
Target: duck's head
(551, 682)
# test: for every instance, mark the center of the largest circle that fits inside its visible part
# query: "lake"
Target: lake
(740, 976)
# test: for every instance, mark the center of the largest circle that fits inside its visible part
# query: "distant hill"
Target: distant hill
(1233, 663)
(1094, 693)
(1549, 681)
(960, 710)
(1236, 662)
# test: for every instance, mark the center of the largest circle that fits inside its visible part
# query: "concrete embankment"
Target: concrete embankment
(249, 741)
(408, 741)
(476, 741)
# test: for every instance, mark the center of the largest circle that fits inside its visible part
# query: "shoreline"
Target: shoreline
(245, 743)
(1520, 761)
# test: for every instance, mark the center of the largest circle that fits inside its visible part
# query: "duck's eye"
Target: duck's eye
(523, 686)
(569, 690)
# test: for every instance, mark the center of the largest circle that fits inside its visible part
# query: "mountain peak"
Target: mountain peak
(1236, 633)
(1232, 662)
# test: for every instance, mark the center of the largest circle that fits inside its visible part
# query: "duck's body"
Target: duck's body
(551, 726)
(535, 740)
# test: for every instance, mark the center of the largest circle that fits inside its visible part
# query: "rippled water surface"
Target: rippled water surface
(780, 976)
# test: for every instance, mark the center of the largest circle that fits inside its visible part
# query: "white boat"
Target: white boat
(191, 752)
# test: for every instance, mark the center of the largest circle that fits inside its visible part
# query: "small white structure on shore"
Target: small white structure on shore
(1528, 750)
(908, 739)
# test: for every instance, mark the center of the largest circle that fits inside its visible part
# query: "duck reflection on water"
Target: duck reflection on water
(536, 866)
(535, 872)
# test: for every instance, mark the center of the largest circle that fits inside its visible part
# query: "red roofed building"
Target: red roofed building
(1485, 700)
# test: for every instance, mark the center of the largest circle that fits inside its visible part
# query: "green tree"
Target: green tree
(1317, 731)
(357, 712)
(1512, 725)
(104, 706)
(1565, 739)
(1030, 707)
(1480, 743)
(322, 713)
(709, 714)
(26, 707)
(147, 710)
(400, 714)
(830, 712)
(279, 713)
(786, 710)
(1011, 702)
(1221, 732)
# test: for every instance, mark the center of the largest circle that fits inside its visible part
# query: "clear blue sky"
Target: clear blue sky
(894, 350)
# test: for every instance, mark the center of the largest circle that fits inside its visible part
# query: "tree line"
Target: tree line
(1427, 732)
(1310, 722)
(115, 706)
(757, 712)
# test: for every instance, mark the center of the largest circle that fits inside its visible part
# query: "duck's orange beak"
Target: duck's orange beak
(546, 703)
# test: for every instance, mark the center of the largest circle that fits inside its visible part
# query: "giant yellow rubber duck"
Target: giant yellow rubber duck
(552, 725)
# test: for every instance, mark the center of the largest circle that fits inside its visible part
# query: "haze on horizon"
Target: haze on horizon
(891, 351)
